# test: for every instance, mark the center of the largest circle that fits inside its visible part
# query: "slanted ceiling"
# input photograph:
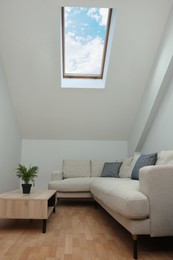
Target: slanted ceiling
(30, 54)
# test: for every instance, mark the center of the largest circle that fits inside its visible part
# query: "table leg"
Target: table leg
(44, 226)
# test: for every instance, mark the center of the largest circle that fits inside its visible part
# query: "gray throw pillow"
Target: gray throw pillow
(143, 160)
(111, 169)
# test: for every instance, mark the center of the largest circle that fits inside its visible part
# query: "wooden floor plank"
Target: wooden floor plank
(77, 231)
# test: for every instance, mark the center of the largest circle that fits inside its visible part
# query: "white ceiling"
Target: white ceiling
(30, 54)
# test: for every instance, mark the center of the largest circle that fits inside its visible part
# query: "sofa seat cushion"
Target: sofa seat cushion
(122, 196)
(72, 184)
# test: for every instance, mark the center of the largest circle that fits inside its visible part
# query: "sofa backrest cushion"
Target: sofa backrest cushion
(111, 169)
(76, 168)
(127, 166)
(97, 167)
(165, 158)
(143, 160)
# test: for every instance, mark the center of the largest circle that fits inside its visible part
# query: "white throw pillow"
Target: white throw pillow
(165, 158)
(127, 166)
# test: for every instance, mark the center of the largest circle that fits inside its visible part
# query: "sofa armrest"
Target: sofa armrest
(56, 176)
(156, 182)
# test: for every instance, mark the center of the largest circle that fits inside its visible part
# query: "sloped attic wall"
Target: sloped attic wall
(159, 84)
(160, 135)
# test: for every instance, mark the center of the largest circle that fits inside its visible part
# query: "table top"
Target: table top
(34, 195)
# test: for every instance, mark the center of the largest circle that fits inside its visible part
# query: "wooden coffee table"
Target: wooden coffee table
(38, 204)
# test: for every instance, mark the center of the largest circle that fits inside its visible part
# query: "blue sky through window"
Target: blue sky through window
(84, 34)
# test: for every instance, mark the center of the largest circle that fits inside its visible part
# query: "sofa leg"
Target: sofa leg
(135, 247)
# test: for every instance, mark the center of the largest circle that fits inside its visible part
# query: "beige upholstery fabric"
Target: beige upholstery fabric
(127, 166)
(165, 158)
(135, 227)
(142, 207)
(122, 196)
(76, 168)
(156, 182)
(56, 175)
(72, 184)
(97, 167)
(125, 169)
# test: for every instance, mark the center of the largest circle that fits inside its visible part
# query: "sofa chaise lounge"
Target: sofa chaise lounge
(143, 204)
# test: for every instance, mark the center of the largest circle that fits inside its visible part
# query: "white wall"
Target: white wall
(160, 136)
(157, 86)
(10, 140)
(48, 154)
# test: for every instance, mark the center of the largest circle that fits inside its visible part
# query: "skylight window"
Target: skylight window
(84, 41)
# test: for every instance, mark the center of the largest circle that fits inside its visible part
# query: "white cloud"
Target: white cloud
(68, 9)
(71, 34)
(68, 23)
(104, 16)
(93, 14)
(99, 15)
(83, 58)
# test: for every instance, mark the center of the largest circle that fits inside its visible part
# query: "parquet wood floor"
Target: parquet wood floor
(77, 231)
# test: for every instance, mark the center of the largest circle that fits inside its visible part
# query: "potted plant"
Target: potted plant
(27, 175)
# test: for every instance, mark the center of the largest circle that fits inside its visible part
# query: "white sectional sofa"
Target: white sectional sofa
(143, 207)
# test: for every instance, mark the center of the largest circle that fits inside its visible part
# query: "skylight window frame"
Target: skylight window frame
(85, 76)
